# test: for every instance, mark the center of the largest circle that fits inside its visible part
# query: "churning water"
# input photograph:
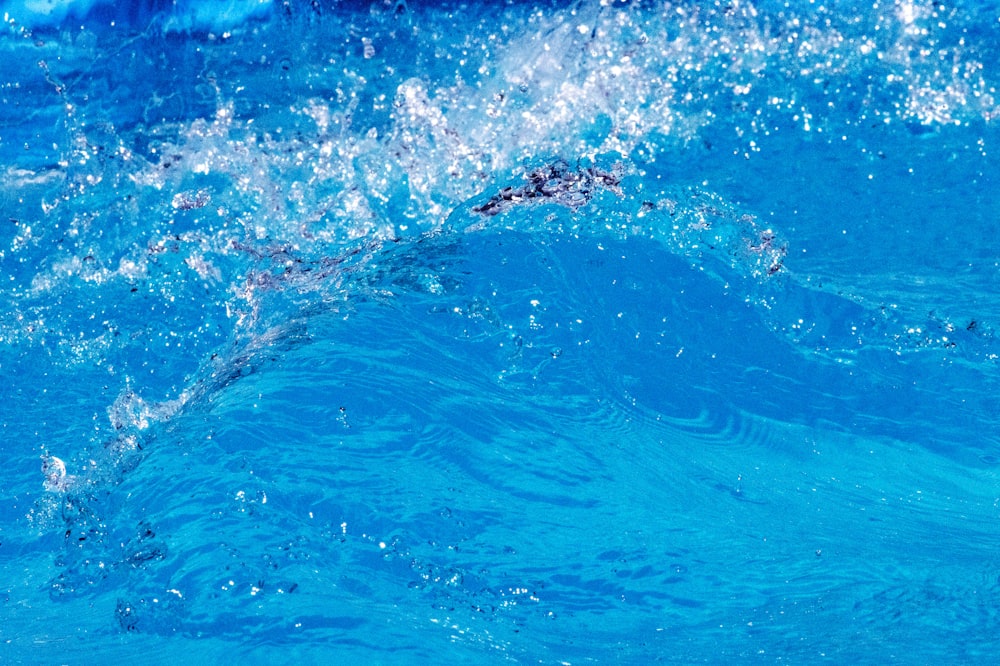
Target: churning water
(499, 332)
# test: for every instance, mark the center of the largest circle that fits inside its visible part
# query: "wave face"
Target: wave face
(510, 332)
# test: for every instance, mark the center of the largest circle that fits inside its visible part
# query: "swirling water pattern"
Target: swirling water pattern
(609, 332)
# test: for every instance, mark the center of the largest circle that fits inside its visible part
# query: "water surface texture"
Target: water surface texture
(594, 332)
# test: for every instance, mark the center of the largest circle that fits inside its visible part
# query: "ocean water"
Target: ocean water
(499, 332)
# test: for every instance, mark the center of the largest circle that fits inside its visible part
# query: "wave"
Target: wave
(500, 328)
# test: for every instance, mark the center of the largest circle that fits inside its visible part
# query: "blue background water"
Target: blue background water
(715, 381)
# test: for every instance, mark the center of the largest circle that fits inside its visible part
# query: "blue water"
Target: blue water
(499, 332)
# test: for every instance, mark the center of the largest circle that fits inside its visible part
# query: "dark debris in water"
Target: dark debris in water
(556, 183)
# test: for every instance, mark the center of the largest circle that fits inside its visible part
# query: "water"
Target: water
(584, 333)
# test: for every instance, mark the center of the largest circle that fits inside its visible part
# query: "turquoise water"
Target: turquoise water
(499, 332)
